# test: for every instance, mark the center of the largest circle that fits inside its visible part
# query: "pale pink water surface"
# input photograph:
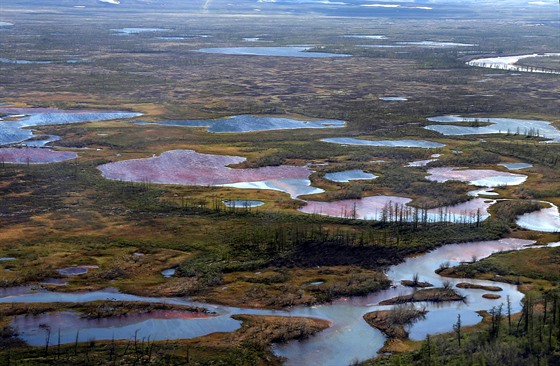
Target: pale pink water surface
(546, 219)
(394, 208)
(34, 155)
(477, 177)
(191, 168)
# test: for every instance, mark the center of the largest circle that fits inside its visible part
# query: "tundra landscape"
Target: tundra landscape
(279, 182)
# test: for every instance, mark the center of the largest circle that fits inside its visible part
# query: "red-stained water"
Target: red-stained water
(192, 168)
(477, 177)
(394, 208)
(29, 155)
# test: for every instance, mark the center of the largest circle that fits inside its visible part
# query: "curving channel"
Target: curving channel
(348, 339)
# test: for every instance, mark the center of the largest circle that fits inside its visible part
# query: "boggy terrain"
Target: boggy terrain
(126, 231)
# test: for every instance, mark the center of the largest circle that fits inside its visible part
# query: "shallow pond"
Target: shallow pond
(394, 99)
(242, 203)
(292, 51)
(419, 163)
(15, 129)
(156, 325)
(349, 175)
(436, 44)
(76, 270)
(191, 168)
(38, 62)
(255, 39)
(349, 337)
(248, 123)
(381, 46)
(483, 192)
(28, 155)
(25, 62)
(388, 143)
(168, 273)
(509, 63)
(171, 38)
(394, 208)
(129, 31)
(516, 166)
(315, 283)
(546, 219)
(478, 177)
(40, 142)
(295, 187)
(497, 125)
(421, 44)
(361, 36)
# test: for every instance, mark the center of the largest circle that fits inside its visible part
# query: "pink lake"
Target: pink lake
(34, 155)
(546, 219)
(478, 177)
(191, 168)
(379, 207)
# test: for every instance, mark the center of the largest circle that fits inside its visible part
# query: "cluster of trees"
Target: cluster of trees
(529, 339)
(533, 152)
(508, 211)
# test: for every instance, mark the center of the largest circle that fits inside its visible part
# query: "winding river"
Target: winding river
(349, 338)
(509, 63)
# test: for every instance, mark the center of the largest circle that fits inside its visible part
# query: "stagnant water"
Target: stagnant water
(349, 338)
(546, 219)
(242, 203)
(248, 123)
(191, 168)
(478, 177)
(348, 175)
(388, 143)
(15, 123)
(479, 126)
(395, 208)
(287, 51)
(28, 155)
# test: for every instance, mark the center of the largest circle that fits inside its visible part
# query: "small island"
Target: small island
(439, 294)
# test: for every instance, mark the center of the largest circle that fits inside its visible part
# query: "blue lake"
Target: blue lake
(512, 126)
(349, 175)
(516, 166)
(242, 203)
(16, 128)
(288, 51)
(248, 123)
(129, 31)
(394, 99)
(436, 44)
(387, 143)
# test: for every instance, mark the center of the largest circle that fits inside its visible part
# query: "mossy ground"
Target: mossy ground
(66, 214)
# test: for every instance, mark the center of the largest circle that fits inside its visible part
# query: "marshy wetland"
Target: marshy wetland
(355, 181)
